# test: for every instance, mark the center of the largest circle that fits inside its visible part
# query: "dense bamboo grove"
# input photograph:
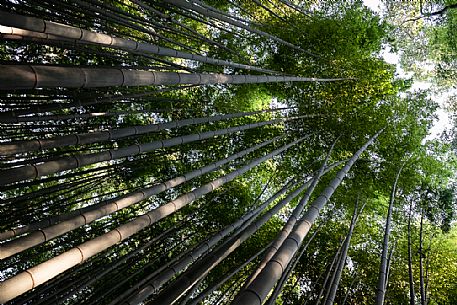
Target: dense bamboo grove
(216, 152)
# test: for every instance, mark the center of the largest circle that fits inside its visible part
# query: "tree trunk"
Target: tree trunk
(427, 274)
(38, 28)
(349, 290)
(332, 278)
(421, 259)
(412, 295)
(198, 270)
(269, 10)
(47, 270)
(114, 134)
(339, 269)
(258, 290)
(220, 282)
(389, 263)
(195, 6)
(295, 7)
(82, 101)
(75, 116)
(76, 161)
(149, 9)
(290, 268)
(292, 220)
(381, 288)
(157, 279)
(115, 264)
(45, 76)
(62, 224)
(335, 261)
(131, 197)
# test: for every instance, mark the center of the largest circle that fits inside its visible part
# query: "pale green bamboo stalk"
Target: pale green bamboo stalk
(212, 288)
(259, 289)
(282, 281)
(11, 116)
(47, 270)
(335, 261)
(61, 224)
(195, 33)
(33, 27)
(381, 286)
(75, 116)
(76, 161)
(113, 134)
(207, 263)
(159, 277)
(339, 269)
(296, 214)
(45, 76)
(212, 260)
(197, 6)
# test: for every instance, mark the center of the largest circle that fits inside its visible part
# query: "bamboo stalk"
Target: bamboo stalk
(45, 76)
(202, 267)
(259, 289)
(114, 134)
(47, 270)
(61, 224)
(39, 28)
(76, 161)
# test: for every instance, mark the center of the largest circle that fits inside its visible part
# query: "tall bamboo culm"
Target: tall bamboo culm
(292, 219)
(33, 27)
(154, 281)
(114, 134)
(201, 268)
(43, 272)
(78, 160)
(259, 289)
(61, 224)
(45, 76)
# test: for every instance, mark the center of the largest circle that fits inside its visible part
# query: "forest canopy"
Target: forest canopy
(227, 152)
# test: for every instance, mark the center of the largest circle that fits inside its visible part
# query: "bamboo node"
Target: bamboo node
(36, 76)
(31, 277)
